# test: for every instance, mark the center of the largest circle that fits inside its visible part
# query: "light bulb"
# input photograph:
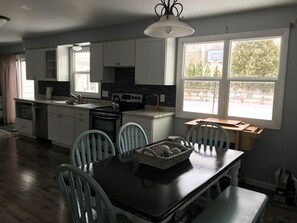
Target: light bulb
(168, 29)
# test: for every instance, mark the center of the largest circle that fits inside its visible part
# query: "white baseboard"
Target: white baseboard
(260, 184)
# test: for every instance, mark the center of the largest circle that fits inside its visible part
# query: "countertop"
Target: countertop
(150, 113)
(86, 105)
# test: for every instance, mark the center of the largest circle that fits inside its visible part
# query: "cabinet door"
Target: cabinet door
(154, 61)
(61, 129)
(34, 64)
(97, 72)
(81, 121)
(53, 127)
(24, 126)
(50, 64)
(126, 53)
(66, 130)
(81, 125)
(62, 54)
(119, 54)
(111, 54)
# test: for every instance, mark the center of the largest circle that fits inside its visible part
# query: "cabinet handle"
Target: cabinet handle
(59, 116)
(117, 64)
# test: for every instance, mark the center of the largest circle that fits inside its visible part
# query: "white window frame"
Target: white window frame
(72, 77)
(275, 123)
(21, 75)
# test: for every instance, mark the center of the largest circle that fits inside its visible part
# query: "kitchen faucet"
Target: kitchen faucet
(158, 102)
(77, 96)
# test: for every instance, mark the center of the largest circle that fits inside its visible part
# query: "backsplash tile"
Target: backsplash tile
(124, 83)
(59, 88)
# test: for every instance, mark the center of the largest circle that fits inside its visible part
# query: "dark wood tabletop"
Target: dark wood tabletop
(153, 194)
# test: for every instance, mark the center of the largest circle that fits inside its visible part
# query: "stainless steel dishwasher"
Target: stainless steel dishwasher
(40, 120)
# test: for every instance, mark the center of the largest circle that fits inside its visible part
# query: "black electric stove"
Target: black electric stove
(109, 118)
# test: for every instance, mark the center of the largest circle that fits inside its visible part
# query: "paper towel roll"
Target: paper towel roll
(48, 94)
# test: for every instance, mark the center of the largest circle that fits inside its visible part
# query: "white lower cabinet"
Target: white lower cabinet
(61, 125)
(65, 124)
(81, 121)
(156, 129)
(24, 126)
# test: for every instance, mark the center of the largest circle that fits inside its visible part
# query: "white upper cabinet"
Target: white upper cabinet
(34, 64)
(119, 53)
(155, 61)
(97, 72)
(48, 64)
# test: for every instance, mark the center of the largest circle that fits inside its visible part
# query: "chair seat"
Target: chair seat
(121, 218)
(234, 205)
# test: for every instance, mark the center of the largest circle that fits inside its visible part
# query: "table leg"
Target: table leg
(234, 174)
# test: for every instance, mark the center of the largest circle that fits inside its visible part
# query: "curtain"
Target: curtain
(8, 80)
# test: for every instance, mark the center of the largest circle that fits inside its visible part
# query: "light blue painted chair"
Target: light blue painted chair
(131, 136)
(85, 199)
(90, 146)
(212, 135)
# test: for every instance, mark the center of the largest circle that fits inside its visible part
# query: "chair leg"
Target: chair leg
(218, 187)
(66, 215)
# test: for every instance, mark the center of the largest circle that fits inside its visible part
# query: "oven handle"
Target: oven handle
(105, 116)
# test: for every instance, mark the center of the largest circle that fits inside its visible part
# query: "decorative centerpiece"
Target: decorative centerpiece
(165, 154)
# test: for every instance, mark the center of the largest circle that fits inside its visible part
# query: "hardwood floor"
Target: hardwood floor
(28, 192)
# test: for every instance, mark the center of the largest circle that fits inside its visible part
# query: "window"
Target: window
(80, 82)
(233, 76)
(25, 87)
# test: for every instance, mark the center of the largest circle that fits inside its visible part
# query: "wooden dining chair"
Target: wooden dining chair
(212, 136)
(131, 136)
(85, 199)
(90, 146)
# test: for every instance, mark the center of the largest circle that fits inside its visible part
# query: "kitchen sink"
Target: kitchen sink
(69, 102)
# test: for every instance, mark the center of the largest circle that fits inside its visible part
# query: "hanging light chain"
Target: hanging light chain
(168, 9)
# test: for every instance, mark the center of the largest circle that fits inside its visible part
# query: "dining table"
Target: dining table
(148, 194)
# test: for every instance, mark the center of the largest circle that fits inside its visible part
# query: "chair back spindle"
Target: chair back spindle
(85, 199)
(131, 136)
(90, 146)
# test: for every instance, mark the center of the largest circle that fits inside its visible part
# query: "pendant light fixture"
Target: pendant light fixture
(168, 23)
(3, 20)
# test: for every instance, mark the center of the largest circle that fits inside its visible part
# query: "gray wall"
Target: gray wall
(274, 147)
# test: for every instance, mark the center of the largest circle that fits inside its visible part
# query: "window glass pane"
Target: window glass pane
(27, 85)
(81, 61)
(203, 59)
(201, 96)
(251, 100)
(255, 58)
(83, 84)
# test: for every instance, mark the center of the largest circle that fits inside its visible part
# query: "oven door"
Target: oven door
(106, 122)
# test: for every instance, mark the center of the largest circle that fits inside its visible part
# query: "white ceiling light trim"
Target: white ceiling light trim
(168, 23)
(76, 47)
(3, 20)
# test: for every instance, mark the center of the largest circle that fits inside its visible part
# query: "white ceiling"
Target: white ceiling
(31, 18)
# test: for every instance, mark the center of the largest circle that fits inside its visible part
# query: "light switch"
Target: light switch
(162, 97)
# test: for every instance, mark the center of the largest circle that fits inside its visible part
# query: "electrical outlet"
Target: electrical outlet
(104, 93)
(162, 97)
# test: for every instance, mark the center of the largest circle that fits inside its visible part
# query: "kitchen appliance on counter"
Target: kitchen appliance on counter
(109, 118)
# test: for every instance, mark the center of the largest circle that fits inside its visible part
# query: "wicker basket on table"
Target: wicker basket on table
(149, 155)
